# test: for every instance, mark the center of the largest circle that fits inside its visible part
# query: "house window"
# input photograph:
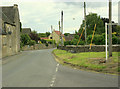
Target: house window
(50, 37)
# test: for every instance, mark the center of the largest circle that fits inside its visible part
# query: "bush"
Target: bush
(24, 39)
(43, 41)
(97, 40)
(67, 43)
(50, 41)
(74, 42)
(32, 42)
(46, 44)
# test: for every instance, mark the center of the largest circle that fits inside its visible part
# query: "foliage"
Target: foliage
(42, 34)
(91, 20)
(66, 34)
(25, 39)
(100, 39)
(67, 43)
(97, 39)
(34, 36)
(115, 40)
(43, 41)
(74, 42)
(118, 30)
(114, 27)
(46, 45)
(50, 41)
(32, 42)
(47, 34)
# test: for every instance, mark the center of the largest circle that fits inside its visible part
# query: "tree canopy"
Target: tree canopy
(91, 20)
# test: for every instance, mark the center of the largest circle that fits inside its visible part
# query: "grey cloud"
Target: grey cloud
(90, 4)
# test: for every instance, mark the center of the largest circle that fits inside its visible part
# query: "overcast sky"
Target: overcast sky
(39, 15)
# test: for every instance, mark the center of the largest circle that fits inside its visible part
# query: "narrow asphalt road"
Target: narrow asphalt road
(39, 69)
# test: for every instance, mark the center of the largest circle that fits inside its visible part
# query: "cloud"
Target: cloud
(41, 15)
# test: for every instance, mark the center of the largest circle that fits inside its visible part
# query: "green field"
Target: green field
(89, 60)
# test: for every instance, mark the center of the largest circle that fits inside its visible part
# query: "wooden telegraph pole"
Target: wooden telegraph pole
(59, 30)
(52, 35)
(110, 28)
(62, 28)
(59, 25)
(85, 23)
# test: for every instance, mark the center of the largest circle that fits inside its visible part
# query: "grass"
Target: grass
(89, 60)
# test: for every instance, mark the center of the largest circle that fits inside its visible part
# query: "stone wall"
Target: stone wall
(36, 47)
(94, 48)
(9, 45)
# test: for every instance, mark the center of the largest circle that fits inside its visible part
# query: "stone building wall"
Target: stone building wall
(11, 31)
(9, 46)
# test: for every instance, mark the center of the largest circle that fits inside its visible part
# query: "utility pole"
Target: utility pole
(52, 35)
(59, 30)
(59, 25)
(85, 23)
(62, 28)
(119, 13)
(110, 28)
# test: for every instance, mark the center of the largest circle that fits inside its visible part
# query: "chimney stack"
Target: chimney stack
(15, 6)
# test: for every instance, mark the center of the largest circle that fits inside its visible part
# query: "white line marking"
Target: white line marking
(56, 69)
(57, 65)
(54, 76)
(51, 85)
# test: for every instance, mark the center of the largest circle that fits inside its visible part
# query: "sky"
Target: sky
(39, 15)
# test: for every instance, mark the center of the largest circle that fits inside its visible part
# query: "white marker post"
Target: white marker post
(106, 24)
(106, 38)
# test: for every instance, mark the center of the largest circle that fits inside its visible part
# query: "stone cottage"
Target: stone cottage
(10, 26)
(55, 35)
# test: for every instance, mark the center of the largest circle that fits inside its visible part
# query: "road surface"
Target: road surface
(39, 69)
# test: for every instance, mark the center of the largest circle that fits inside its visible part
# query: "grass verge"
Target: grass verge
(89, 61)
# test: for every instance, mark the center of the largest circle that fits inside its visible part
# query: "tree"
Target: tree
(42, 34)
(91, 20)
(66, 34)
(31, 42)
(47, 34)
(114, 27)
(25, 39)
(34, 36)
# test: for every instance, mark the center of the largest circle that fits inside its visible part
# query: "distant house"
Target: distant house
(9, 16)
(26, 31)
(55, 35)
(69, 37)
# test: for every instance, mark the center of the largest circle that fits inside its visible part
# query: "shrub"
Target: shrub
(32, 42)
(46, 44)
(67, 43)
(50, 41)
(97, 40)
(43, 41)
(24, 39)
(74, 42)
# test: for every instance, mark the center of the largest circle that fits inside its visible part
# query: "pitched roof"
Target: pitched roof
(7, 14)
(58, 33)
(44, 38)
(26, 30)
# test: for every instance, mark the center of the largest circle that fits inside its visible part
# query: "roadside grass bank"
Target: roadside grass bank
(89, 61)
